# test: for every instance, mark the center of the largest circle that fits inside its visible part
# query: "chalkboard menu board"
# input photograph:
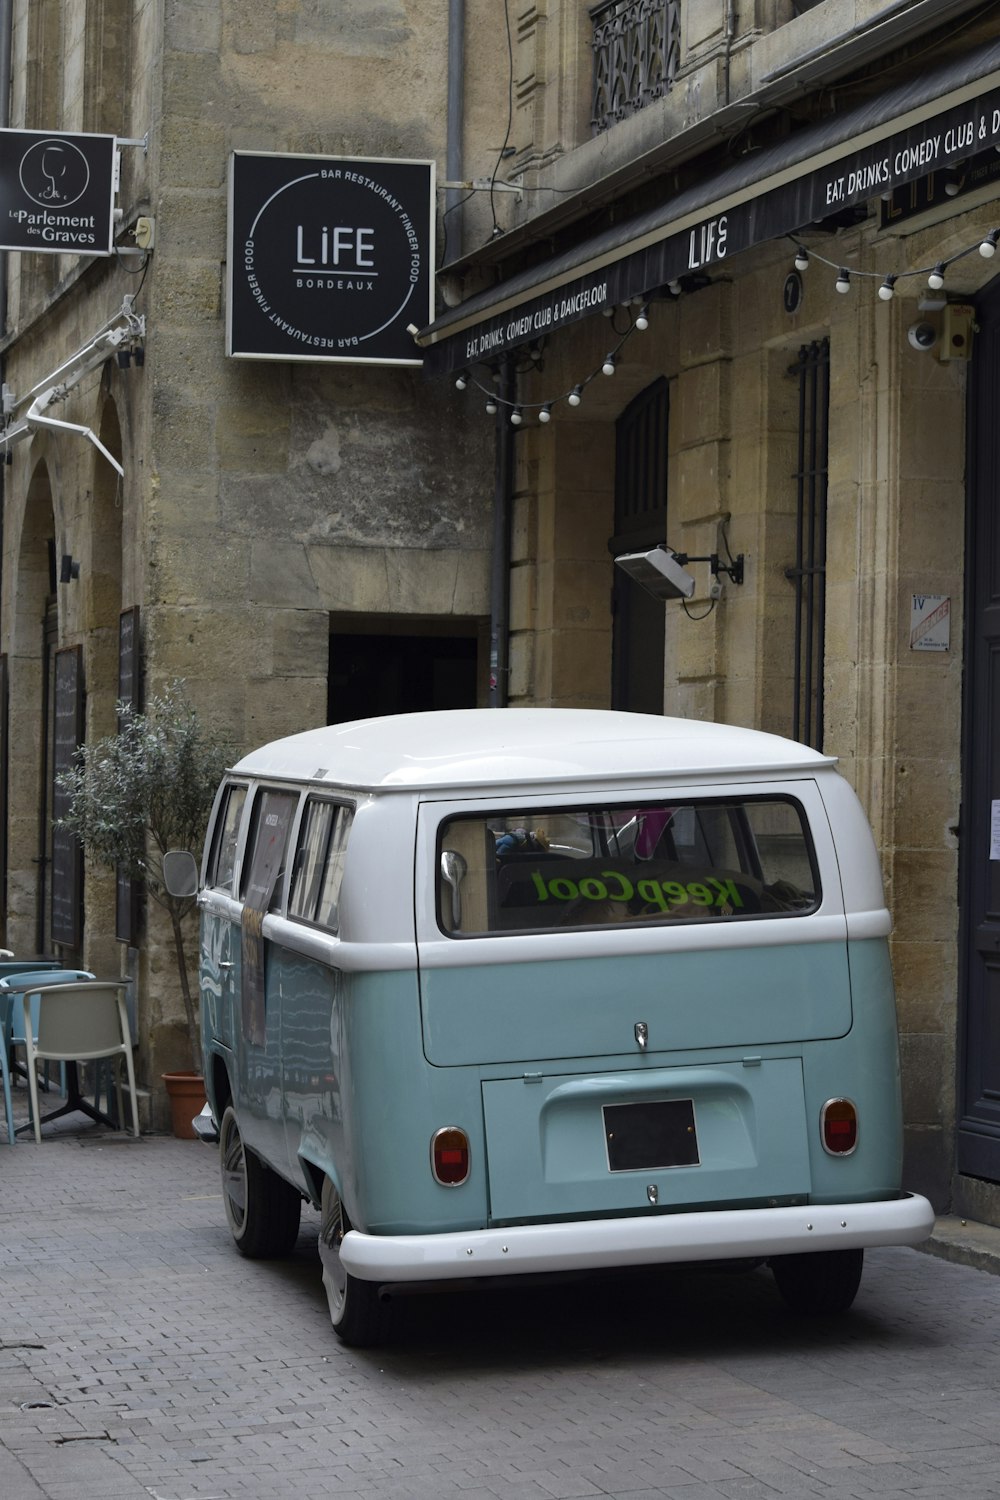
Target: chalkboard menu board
(67, 856)
(130, 693)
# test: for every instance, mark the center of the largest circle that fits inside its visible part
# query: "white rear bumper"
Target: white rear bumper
(595, 1243)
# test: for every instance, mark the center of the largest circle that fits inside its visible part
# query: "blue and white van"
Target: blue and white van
(535, 990)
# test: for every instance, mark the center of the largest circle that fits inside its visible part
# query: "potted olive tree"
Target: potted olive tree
(140, 792)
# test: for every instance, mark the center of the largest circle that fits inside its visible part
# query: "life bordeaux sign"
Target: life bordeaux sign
(330, 258)
(57, 192)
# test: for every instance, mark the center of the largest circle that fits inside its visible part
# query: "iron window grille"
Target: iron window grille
(636, 53)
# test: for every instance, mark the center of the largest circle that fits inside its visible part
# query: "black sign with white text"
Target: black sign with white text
(57, 192)
(330, 258)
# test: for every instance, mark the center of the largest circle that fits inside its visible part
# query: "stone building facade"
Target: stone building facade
(640, 179)
(298, 538)
(677, 161)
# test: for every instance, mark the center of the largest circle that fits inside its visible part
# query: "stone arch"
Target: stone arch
(31, 638)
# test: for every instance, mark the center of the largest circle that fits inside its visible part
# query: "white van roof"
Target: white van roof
(512, 747)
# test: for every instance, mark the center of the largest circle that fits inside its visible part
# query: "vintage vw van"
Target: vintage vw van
(532, 990)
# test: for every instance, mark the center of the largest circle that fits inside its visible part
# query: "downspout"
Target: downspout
(503, 451)
(6, 28)
(452, 247)
(730, 36)
(503, 493)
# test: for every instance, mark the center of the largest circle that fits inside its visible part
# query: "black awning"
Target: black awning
(931, 122)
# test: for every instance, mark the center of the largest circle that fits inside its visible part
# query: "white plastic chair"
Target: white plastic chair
(78, 1023)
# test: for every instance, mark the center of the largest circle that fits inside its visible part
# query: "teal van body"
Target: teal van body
(537, 990)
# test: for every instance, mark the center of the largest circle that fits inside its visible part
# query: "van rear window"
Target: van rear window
(713, 860)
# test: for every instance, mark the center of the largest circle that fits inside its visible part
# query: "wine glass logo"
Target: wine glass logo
(54, 173)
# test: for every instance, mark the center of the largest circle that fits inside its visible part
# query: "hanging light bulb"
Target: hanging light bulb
(545, 415)
(608, 367)
(936, 279)
(843, 282)
(461, 380)
(608, 310)
(674, 288)
(575, 396)
(801, 258)
(885, 291)
(988, 248)
(491, 406)
(642, 321)
(515, 417)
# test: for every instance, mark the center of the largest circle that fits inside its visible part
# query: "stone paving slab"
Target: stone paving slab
(140, 1356)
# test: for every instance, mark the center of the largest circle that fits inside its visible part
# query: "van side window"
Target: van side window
(319, 863)
(262, 876)
(714, 859)
(222, 861)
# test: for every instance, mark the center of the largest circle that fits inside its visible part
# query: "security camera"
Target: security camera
(659, 573)
(922, 336)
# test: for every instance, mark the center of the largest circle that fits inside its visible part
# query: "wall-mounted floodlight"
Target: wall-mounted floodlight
(659, 573)
(663, 573)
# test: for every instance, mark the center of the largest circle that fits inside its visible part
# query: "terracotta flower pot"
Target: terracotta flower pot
(186, 1092)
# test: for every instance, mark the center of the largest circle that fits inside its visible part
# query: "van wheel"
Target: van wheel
(358, 1314)
(820, 1283)
(262, 1208)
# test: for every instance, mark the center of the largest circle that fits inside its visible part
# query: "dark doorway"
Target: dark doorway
(640, 522)
(402, 670)
(979, 1021)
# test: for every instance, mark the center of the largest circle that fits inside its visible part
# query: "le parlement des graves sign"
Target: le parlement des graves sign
(330, 258)
(57, 192)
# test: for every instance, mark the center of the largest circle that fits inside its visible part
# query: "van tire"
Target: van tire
(263, 1209)
(360, 1316)
(821, 1283)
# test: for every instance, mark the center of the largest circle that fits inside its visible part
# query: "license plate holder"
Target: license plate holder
(650, 1135)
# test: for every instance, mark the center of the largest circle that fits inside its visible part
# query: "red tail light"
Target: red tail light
(839, 1126)
(450, 1156)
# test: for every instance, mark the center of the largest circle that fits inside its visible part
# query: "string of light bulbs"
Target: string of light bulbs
(987, 247)
(574, 396)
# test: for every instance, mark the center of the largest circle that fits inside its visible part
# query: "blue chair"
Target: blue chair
(9, 967)
(17, 984)
(8, 1105)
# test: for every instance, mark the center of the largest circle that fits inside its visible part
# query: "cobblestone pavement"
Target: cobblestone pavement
(141, 1356)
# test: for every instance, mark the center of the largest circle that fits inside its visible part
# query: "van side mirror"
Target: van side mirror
(180, 873)
(453, 871)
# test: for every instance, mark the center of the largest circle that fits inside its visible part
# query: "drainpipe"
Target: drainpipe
(503, 492)
(730, 35)
(6, 27)
(452, 248)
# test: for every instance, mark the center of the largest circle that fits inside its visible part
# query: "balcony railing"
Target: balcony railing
(636, 51)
